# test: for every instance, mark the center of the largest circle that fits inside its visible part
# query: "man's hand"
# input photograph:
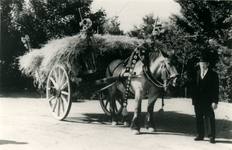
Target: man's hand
(214, 106)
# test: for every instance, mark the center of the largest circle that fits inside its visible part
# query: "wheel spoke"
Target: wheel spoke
(115, 107)
(64, 85)
(58, 110)
(59, 76)
(106, 103)
(62, 78)
(62, 103)
(51, 98)
(53, 81)
(64, 99)
(54, 73)
(64, 93)
(54, 107)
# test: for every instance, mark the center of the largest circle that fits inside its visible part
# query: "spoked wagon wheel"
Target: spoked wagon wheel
(105, 104)
(59, 92)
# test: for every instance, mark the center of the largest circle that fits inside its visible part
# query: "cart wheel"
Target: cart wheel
(59, 92)
(105, 104)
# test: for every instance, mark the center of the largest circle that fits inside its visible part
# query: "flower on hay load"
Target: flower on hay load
(157, 29)
(86, 23)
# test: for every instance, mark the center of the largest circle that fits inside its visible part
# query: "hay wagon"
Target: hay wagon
(61, 86)
(67, 69)
(76, 65)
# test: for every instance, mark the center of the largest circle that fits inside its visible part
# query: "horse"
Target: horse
(150, 75)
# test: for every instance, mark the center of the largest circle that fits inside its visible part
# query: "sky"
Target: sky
(131, 12)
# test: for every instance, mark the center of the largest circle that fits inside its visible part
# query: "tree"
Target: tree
(10, 45)
(211, 21)
(98, 19)
(146, 28)
(111, 26)
(41, 20)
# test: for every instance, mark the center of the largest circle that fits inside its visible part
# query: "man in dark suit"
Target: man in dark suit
(205, 99)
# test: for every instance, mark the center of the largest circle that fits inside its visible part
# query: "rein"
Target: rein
(149, 75)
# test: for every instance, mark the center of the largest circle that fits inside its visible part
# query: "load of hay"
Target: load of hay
(70, 51)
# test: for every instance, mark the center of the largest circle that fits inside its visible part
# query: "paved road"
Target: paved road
(26, 123)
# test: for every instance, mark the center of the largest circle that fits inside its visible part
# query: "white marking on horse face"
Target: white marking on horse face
(157, 62)
(170, 68)
(167, 63)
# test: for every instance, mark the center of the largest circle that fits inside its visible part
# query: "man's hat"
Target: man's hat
(203, 59)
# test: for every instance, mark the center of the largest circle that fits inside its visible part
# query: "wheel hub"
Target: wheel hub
(55, 92)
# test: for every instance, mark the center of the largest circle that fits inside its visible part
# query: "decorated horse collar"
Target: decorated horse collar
(141, 53)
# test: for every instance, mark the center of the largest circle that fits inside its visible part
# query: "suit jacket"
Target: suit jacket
(206, 90)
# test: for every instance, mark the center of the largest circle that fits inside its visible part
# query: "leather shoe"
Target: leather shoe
(212, 140)
(199, 138)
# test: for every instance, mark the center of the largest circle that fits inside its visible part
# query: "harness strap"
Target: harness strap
(149, 75)
(129, 68)
(136, 55)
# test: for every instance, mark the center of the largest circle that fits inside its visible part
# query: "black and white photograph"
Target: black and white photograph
(116, 75)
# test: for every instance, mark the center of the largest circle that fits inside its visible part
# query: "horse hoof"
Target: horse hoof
(114, 123)
(151, 129)
(126, 124)
(136, 132)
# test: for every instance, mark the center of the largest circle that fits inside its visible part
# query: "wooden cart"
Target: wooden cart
(60, 89)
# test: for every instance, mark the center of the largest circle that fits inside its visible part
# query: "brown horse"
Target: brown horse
(147, 81)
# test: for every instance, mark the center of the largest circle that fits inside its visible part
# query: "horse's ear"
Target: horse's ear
(171, 53)
(164, 54)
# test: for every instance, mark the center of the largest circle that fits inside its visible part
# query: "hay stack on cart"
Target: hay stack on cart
(72, 53)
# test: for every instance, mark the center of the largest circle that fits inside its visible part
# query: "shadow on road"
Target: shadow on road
(3, 142)
(17, 93)
(170, 122)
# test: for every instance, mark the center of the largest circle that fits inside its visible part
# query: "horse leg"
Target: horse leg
(112, 92)
(125, 118)
(135, 125)
(149, 123)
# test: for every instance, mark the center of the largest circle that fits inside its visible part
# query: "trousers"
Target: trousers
(205, 114)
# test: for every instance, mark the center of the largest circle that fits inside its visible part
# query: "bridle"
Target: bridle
(148, 73)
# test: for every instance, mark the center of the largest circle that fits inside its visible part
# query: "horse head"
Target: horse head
(162, 66)
(169, 70)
